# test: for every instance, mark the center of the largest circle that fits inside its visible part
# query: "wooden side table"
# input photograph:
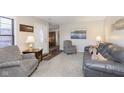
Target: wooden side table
(37, 52)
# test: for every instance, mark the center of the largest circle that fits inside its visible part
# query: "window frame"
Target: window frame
(12, 25)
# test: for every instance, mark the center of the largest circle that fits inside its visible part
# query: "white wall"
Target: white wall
(94, 29)
(39, 25)
(116, 37)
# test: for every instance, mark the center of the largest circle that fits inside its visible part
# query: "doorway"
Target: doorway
(53, 42)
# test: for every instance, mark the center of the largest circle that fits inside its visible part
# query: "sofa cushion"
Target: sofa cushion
(10, 53)
(106, 66)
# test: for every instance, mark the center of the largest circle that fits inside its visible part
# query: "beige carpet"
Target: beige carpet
(62, 65)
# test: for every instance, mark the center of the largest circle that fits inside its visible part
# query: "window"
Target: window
(6, 32)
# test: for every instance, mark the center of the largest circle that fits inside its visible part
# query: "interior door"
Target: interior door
(52, 39)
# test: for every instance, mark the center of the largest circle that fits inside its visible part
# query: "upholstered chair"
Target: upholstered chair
(69, 48)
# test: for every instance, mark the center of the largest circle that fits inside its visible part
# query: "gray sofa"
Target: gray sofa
(113, 67)
(13, 64)
(69, 48)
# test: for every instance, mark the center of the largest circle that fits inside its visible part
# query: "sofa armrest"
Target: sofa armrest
(9, 64)
(86, 48)
(107, 67)
(28, 56)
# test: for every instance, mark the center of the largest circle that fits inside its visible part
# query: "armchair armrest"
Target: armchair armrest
(9, 64)
(29, 56)
(70, 47)
(73, 46)
(107, 67)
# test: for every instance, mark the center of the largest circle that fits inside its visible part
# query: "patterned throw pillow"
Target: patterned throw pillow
(91, 50)
(94, 53)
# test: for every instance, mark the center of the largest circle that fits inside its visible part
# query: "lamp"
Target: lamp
(98, 39)
(30, 40)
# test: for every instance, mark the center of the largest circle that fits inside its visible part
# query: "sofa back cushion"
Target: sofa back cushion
(116, 52)
(112, 52)
(10, 53)
(103, 50)
(103, 47)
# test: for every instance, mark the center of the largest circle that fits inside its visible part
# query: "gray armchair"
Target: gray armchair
(13, 64)
(69, 48)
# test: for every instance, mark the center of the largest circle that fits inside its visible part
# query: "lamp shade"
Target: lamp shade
(98, 39)
(30, 39)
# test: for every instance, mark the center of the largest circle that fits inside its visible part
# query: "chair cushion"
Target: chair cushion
(28, 64)
(10, 53)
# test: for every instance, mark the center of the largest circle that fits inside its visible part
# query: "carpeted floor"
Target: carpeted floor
(62, 65)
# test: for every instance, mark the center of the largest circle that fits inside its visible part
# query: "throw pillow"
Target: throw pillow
(100, 57)
(94, 53)
(91, 50)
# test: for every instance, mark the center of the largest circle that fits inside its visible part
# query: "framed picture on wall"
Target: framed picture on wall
(26, 28)
(78, 34)
(118, 25)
